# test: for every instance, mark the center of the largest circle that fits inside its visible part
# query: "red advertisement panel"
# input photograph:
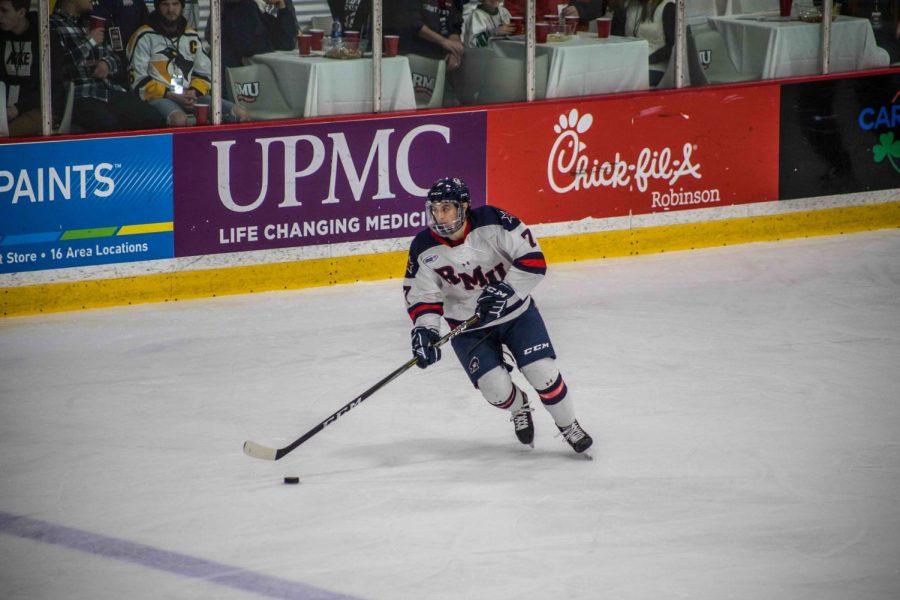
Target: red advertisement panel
(649, 153)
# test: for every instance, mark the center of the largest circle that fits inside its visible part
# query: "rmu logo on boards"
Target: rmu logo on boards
(388, 153)
(247, 92)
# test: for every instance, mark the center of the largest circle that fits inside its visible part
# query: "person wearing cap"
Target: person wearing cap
(83, 59)
(169, 68)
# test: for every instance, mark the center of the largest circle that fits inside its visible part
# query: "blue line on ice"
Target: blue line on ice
(162, 560)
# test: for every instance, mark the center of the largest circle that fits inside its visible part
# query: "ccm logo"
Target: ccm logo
(536, 348)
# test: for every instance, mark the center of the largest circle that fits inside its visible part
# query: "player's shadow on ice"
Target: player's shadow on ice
(449, 452)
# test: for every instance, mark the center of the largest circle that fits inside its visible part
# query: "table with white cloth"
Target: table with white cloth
(768, 47)
(317, 86)
(586, 65)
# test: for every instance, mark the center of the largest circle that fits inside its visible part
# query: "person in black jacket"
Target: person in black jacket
(247, 30)
(123, 18)
(20, 70)
(353, 15)
(432, 28)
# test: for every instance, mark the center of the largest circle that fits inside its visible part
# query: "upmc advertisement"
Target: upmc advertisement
(91, 202)
(325, 183)
(651, 153)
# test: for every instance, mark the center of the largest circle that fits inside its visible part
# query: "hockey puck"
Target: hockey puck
(292, 480)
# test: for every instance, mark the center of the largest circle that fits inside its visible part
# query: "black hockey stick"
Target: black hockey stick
(264, 452)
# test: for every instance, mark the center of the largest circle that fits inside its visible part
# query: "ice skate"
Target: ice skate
(523, 424)
(577, 438)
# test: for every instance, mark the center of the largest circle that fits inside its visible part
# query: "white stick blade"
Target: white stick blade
(259, 451)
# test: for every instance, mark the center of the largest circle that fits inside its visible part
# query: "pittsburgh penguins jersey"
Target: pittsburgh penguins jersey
(160, 63)
(445, 277)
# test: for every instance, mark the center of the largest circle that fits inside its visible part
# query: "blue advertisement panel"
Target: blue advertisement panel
(85, 202)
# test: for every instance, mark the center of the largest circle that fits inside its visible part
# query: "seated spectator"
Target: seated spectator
(652, 20)
(169, 68)
(433, 29)
(587, 11)
(20, 70)
(123, 17)
(353, 15)
(100, 103)
(488, 20)
(251, 27)
(516, 8)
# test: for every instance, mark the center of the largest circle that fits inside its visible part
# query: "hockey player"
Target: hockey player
(486, 261)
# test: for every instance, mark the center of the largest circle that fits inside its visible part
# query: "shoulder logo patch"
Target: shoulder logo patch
(474, 364)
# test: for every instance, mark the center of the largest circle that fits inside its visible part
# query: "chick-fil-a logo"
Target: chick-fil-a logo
(569, 168)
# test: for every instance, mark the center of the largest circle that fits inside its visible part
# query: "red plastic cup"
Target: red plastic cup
(391, 45)
(97, 23)
(540, 32)
(317, 35)
(351, 35)
(304, 44)
(604, 26)
(785, 6)
(201, 113)
(519, 23)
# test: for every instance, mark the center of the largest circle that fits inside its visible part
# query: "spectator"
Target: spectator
(542, 7)
(20, 70)
(123, 17)
(652, 20)
(489, 19)
(169, 68)
(433, 28)
(353, 15)
(100, 103)
(251, 27)
(587, 11)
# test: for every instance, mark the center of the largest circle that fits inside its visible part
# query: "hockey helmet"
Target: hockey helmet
(448, 189)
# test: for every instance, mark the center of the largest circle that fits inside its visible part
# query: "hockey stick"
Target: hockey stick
(264, 452)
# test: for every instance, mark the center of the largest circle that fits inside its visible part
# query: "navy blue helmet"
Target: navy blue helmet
(452, 190)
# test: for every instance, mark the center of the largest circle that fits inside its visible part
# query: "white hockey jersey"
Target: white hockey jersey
(445, 278)
(159, 63)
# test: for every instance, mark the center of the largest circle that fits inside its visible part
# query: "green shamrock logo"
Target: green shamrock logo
(888, 148)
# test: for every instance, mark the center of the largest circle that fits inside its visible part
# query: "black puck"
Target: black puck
(292, 480)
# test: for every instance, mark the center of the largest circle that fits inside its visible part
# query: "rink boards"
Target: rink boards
(170, 216)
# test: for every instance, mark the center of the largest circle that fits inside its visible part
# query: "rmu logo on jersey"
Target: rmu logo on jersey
(537, 348)
(246, 92)
(478, 277)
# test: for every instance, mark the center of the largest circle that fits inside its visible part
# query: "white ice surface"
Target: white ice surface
(745, 403)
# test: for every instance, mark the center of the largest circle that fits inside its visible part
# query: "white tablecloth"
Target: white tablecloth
(320, 86)
(586, 65)
(768, 48)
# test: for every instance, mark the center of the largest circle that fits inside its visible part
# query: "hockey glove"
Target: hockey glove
(423, 346)
(494, 301)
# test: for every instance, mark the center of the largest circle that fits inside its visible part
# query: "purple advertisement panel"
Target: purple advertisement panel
(277, 187)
